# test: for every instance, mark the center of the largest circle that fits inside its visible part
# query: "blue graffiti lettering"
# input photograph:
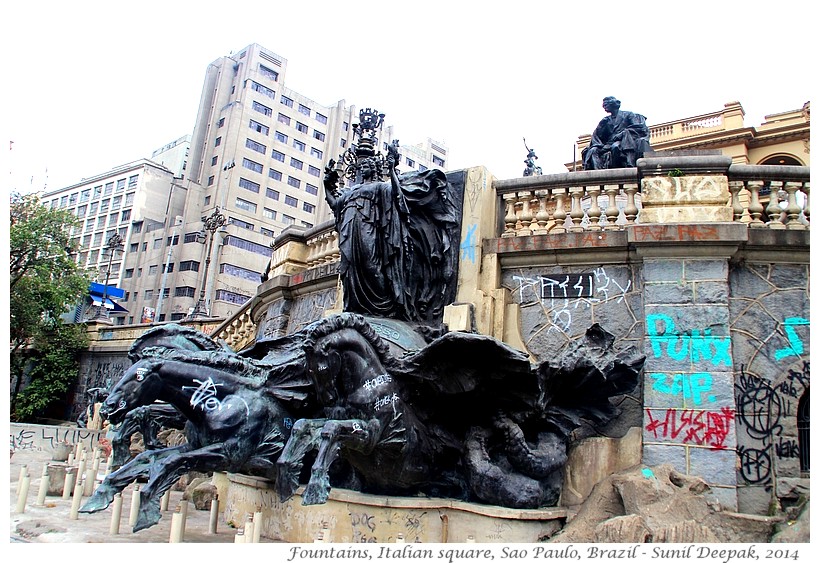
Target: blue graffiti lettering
(679, 347)
(795, 347)
(690, 385)
(468, 246)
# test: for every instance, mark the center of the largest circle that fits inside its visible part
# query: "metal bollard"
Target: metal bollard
(68, 484)
(257, 526)
(25, 482)
(177, 526)
(135, 506)
(214, 515)
(116, 515)
(41, 494)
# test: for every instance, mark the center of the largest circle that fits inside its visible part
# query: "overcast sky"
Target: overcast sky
(91, 85)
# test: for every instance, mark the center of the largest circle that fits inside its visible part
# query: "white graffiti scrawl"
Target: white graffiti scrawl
(561, 294)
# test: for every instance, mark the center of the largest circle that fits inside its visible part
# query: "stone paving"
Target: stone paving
(52, 522)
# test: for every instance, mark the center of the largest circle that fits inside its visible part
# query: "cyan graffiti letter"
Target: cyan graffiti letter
(468, 246)
(795, 347)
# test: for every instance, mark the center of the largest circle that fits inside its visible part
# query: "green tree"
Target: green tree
(44, 282)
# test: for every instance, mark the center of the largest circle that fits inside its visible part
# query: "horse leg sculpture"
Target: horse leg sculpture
(139, 467)
(352, 434)
(304, 437)
(166, 471)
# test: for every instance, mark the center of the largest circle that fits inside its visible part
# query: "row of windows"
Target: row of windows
(96, 192)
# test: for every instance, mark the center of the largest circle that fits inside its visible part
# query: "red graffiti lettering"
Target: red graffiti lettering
(704, 428)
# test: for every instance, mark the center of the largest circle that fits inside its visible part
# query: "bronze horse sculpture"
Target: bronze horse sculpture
(464, 416)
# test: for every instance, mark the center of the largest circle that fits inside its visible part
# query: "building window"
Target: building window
(295, 182)
(267, 232)
(254, 146)
(296, 163)
(304, 109)
(438, 161)
(276, 155)
(321, 118)
(211, 180)
(306, 224)
(269, 213)
(189, 237)
(309, 207)
(251, 165)
(120, 184)
(157, 243)
(263, 109)
(241, 223)
(132, 181)
(316, 153)
(411, 163)
(220, 123)
(301, 127)
(246, 205)
(126, 215)
(189, 265)
(85, 195)
(170, 269)
(101, 220)
(275, 174)
(97, 192)
(109, 188)
(318, 135)
(286, 101)
(81, 210)
(284, 119)
(273, 194)
(311, 189)
(254, 247)
(149, 294)
(72, 199)
(129, 273)
(207, 200)
(152, 270)
(259, 127)
(116, 202)
(422, 168)
(313, 171)
(268, 73)
(263, 89)
(214, 160)
(288, 220)
(129, 199)
(231, 297)
(172, 241)
(218, 141)
(281, 137)
(239, 272)
(248, 185)
(299, 145)
(184, 291)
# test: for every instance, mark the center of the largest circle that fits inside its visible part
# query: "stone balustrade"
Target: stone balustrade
(323, 245)
(774, 197)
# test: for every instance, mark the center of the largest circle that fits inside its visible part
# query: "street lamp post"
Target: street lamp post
(211, 225)
(114, 244)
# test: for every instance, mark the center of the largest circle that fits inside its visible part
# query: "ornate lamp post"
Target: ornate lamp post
(211, 225)
(114, 244)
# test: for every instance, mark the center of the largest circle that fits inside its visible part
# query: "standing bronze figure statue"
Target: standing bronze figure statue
(396, 232)
(619, 140)
(531, 169)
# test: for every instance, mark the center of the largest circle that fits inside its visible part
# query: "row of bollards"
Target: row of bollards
(80, 481)
(252, 532)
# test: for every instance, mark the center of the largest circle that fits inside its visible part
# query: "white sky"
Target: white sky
(91, 85)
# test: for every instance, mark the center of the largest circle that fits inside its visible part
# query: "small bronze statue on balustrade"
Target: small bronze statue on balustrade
(531, 169)
(619, 141)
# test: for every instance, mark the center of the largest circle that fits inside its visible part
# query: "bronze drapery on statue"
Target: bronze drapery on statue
(398, 255)
(618, 141)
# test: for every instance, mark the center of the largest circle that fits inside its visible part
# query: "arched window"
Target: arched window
(781, 160)
(803, 432)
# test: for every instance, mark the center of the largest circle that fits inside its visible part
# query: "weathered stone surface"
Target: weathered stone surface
(793, 487)
(718, 465)
(672, 507)
(673, 293)
(790, 276)
(796, 531)
(699, 270)
(711, 292)
(203, 494)
(656, 270)
(749, 282)
(674, 455)
(56, 478)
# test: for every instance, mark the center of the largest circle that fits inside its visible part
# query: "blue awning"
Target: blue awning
(115, 307)
(97, 289)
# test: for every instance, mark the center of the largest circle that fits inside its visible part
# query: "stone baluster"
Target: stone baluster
(560, 213)
(773, 210)
(542, 218)
(755, 207)
(806, 210)
(612, 210)
(792, 209)
(737, 208)
(509, 217)
(631, 209)
(576, 213)
(526, 214)
(335, 253)
(594, 212)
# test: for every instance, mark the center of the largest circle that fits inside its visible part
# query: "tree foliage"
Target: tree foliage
(44, 282)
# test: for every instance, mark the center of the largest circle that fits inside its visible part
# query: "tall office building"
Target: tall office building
(259, 150)
(257, 153)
